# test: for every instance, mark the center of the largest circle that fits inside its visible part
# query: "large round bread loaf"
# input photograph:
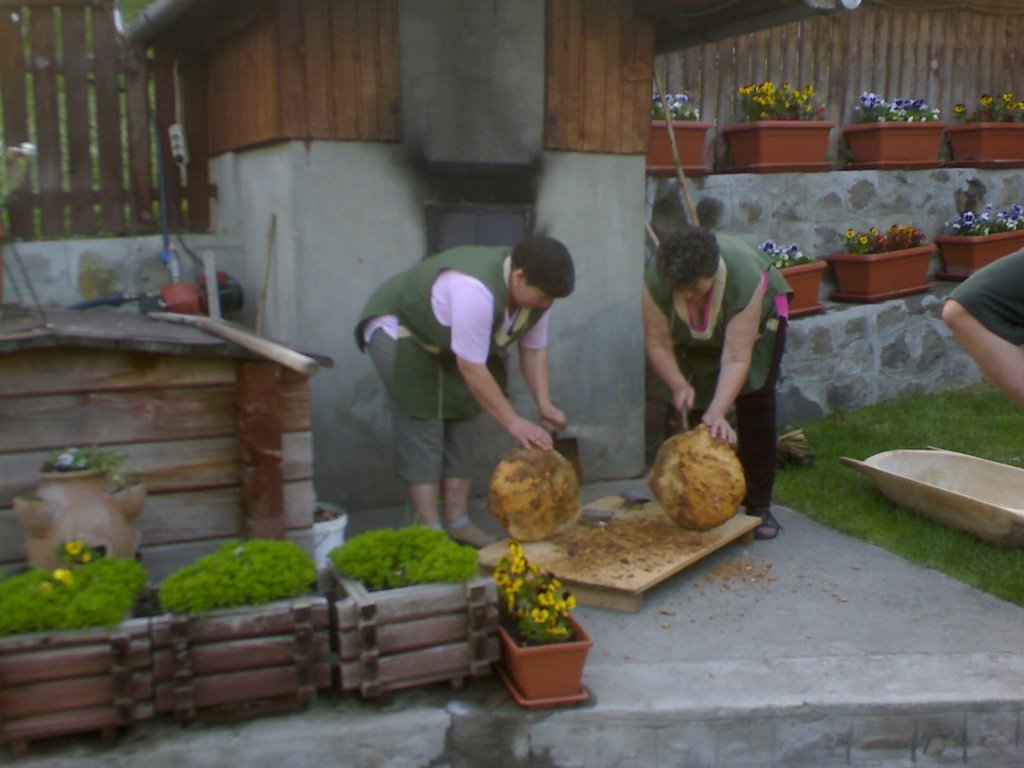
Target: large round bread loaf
(533, 493)
(697, 479)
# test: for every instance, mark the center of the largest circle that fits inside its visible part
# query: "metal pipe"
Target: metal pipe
(154, 17)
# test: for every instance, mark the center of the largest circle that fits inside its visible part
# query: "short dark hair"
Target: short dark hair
(546, 264)
(687, 255)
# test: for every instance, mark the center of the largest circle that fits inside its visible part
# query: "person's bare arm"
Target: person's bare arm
(485, 389)
(534, 365)
(740, 336)
(658, 344)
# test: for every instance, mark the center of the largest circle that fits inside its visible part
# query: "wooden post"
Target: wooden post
(260, 444)
(684, 188)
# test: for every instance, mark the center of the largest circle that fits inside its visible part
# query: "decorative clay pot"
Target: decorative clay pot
(869, 277)
(778, 146)
(79, 506)
(805, 280)
(894, 145)
(689, 135)
(987, 145)
(545, 675)
(963, 255)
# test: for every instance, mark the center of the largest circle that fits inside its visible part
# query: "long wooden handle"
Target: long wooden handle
(289, 358)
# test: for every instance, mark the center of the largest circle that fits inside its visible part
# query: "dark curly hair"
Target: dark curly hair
(546, 264)
(687, 255)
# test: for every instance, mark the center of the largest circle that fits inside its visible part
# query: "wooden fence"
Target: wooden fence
(68, 85)
(71, 87)
(945, 57)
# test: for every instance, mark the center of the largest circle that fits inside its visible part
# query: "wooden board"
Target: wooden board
(611, 566)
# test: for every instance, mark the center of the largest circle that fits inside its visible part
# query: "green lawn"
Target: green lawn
(978, 421)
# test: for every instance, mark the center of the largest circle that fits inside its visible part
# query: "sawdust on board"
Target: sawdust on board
(628, 545)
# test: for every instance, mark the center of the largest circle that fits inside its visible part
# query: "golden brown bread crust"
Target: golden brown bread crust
(697, 479)
(533, 493)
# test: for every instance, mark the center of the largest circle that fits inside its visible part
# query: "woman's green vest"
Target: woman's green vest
(699, 354)
(428, 384)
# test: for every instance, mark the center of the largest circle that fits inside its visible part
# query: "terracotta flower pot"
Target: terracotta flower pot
(79, 506)
(894, 145)
(776, 146)
(869, 277)
(805, 280)
(545, 675)
(690, 136)
(962, 255)
(985, 145)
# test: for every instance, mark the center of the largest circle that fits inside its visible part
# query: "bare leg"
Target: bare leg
(423, 498)
(456, 497)
(1001, 361)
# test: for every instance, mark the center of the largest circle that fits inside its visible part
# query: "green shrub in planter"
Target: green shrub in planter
(99, 593)
(252, 572)
(389, 558)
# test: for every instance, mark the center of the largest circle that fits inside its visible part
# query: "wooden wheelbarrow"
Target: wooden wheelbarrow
(975, 495)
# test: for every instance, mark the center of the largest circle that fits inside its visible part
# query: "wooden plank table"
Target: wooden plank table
(612, 565)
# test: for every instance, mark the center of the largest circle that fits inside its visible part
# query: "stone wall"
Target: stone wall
(850, 355)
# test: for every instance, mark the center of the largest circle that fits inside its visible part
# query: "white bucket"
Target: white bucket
(326, 536)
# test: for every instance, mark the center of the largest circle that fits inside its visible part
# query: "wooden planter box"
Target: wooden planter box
(242, 662)
(399, 638)
(75, 681)
(779, 146)
(690, 136)
(870, 277)
(894, 145)
(987, 145)
(805, 280)
(963, 255)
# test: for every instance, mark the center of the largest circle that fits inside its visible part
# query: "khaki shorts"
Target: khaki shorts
(425, 449)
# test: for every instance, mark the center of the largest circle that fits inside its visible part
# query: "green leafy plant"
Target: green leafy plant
(897, 238)
(78, 459)
(676, 106)
(252, 572)
(388, 557)
(874, 109)
(765, 101)
(533, 605)
(96, 593)
(785, 257)
(989, 109)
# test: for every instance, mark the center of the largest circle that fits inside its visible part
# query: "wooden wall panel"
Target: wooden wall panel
(945, 56)
(598, 64)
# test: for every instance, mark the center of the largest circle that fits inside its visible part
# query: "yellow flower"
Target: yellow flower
(74, 548)
(986, 99)
(45, 587)
(63, 575)
(87, 557)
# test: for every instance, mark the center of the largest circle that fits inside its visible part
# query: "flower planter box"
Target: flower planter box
(399, 638)
(805, 280)
(690, 137)
(894, 145)
(542, 676)
(987, 145)
(870, 277)
(963, 255)
(75, 681)
(779, 146)
(242, 662)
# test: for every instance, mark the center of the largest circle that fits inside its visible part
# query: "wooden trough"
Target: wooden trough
(984, 498)
(221, 436)
(612, 565)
